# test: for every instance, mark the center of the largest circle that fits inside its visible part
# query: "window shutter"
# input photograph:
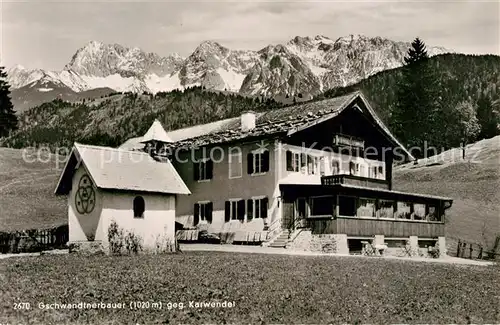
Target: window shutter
(263, 207)
(208, 211)
(322, 166)
(241, 210)
(196, 171)
(265, 161)
(250, 209)
(352, 170)
(250, 168)
(196, 214)
(289, 160)
(227, 211)
(210, 169)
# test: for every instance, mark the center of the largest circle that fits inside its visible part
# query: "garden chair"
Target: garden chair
(405, 249)
(367, 249)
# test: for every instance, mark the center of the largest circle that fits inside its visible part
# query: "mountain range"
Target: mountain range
(304, 65)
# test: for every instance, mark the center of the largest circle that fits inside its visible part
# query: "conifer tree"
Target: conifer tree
(415, 112)
(487, 118)
(8, 118)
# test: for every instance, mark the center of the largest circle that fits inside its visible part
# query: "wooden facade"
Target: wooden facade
(355, 180)
(361, 226)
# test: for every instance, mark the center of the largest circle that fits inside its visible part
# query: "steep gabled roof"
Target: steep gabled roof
(277, 122)
(289, 120)
(272, 123)
(156, 133)
(122, 170)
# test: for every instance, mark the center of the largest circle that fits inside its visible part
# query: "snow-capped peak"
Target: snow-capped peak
(17, 67)
(307, 64)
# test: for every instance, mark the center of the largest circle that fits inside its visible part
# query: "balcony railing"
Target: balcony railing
(355, 181)
(342, 140)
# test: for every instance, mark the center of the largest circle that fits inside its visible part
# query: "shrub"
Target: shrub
(133, 243)
(119, 240)
(115, 238)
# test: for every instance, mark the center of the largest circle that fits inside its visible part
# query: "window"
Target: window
(418, 211)
(380, 171)
(366, 207)
(296, 162)
(345, 166)
(292, 161)
(373, 172)
(139, 207)
(403, 210)
(354, 168)
(203, 212)
(312, 165)
(431, 214)
(386, 209)
(347, 206)
(335, 167)
(257, 208)
(301, 207)
(234, 210)
(322, 206)
(258, 162)
(306, 164)
(235, 165)
(203, 170)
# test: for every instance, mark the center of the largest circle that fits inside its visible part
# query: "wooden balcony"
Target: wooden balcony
(355, 181)
(365, 227)
(342, 140)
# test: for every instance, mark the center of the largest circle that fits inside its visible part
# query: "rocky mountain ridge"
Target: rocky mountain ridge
(303, 65)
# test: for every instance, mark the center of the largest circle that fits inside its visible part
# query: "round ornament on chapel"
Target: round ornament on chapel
(85, 196)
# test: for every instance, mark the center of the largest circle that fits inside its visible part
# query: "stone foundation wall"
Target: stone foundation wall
(337, 243)
(88, 248)
(323, 243)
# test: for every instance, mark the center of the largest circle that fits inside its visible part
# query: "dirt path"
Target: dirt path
(283, 251)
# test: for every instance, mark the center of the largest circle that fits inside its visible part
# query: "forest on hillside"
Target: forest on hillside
(112, 120)
(459, 82)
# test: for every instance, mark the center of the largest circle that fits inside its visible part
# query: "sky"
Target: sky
(45, 34)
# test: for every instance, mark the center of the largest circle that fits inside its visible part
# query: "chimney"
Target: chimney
(247, 121)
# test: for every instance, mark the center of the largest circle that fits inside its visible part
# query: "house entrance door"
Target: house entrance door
(288, 214)
(300, 212)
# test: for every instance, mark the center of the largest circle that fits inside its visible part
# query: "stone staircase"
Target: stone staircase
(281, 240)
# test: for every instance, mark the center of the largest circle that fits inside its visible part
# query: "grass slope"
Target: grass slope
(473, 183)
(265, 289)
(27, 197)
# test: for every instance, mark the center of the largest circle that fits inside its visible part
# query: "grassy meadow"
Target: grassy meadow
(473, 184)
(264, 288)
(27, 183)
